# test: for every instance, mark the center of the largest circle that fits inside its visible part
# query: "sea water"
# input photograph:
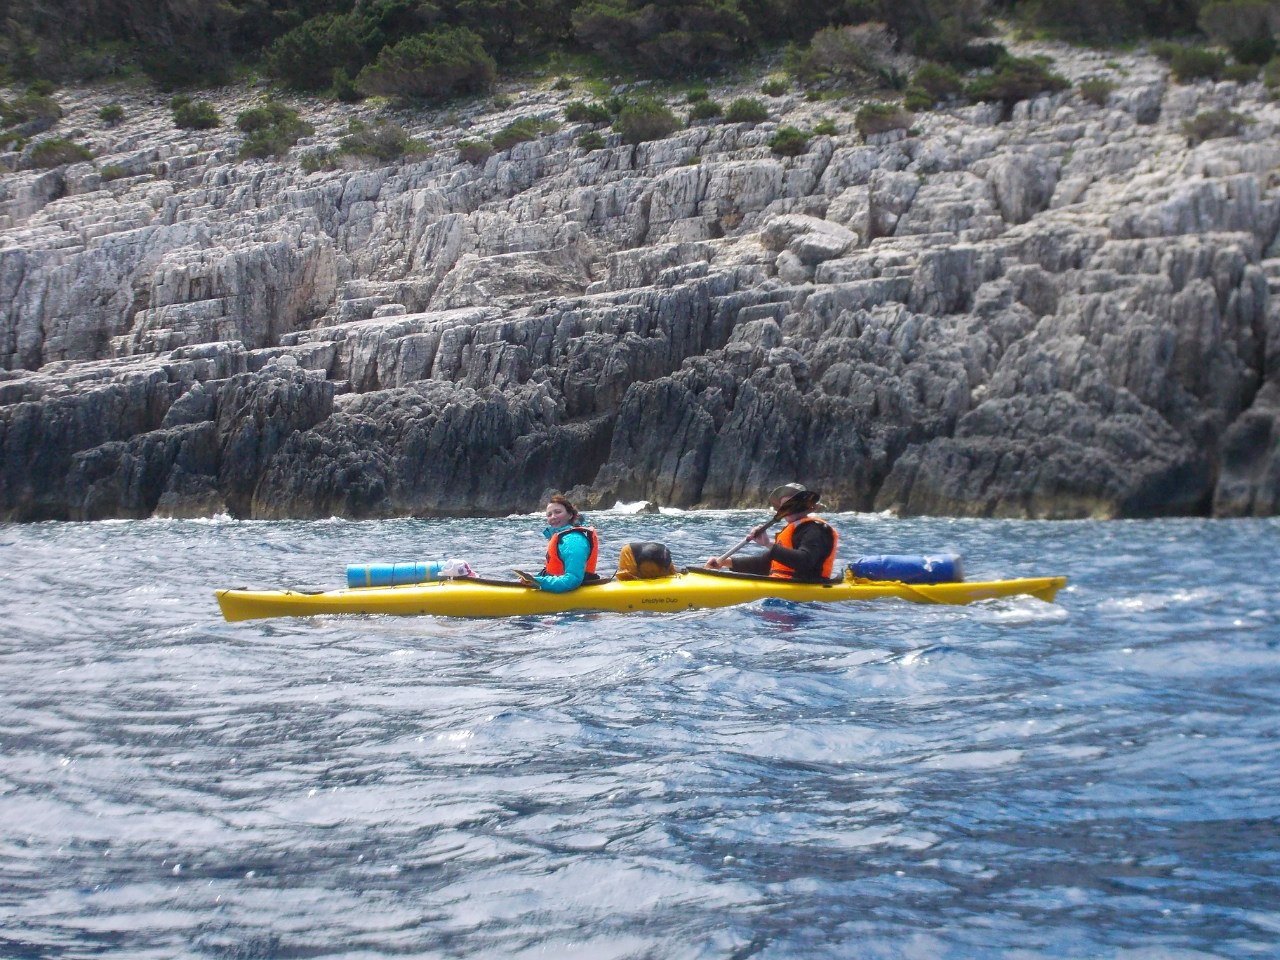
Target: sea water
(1098, 777)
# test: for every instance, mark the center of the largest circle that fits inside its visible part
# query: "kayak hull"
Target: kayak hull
(685, 591)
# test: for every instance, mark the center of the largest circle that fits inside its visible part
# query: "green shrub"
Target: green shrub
(501, 101)
(41, 88)
(705, 110)
(430, 65)
(746, 110)
(592, 140)
(1104, 22)
(1242, 26)
(662, 39)
(789, 142)
(1015, 79)
(1213, 125)
(562, 84)
(111, 114)
(1271, 75)
(696, 95)
(826, 128)
(311, 55)
(273, 129)
(917, 99)
(580, 112)
(56, 152)
(1241, 72)
(382, 141)
(855, 54)
(193, 61)
(344, 88)
(191, 114)
(933, 83)
(113, 171)
(315, 160)
(873, 118)
(475, 151)
(1189, 64)
(1096, 90)
(526, 128)
(773, 87)
(645, 119)
(30, 107)
(270, 114)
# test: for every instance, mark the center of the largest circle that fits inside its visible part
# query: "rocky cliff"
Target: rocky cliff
(1065, 312)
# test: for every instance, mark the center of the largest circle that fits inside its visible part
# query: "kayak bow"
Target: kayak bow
(693, 589)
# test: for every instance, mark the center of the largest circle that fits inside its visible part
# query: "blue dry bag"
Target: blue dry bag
(392, 574)
(934, 568)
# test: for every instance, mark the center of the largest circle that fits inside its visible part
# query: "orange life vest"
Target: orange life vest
(555, 565)
(784, 539)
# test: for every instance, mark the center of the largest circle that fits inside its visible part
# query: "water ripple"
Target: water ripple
(875, 780)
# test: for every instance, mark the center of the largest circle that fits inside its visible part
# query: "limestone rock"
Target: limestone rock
(1062, 309)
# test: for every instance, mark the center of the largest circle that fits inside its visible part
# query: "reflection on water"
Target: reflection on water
(1014, 778)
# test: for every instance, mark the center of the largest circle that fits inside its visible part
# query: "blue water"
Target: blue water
(1094, 778)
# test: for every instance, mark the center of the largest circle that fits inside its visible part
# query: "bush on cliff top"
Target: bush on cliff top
(859, 54)
(666, 39)
(1015, 79)
(273, 129)
(746, 110)
(526, 128)
(1214, 124)
(789, 142)
(1242, 26)
(56, 152)
(382, 141)
(580, 112)
(191, 114)
(1106, 21)
(430, 66)
(1189, 64)
(933, 83)
(307, 57)
(645, 119)
(475, 151)
(32, 105)
(873, 118)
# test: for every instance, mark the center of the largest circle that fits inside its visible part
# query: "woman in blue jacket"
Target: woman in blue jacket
(572, 550)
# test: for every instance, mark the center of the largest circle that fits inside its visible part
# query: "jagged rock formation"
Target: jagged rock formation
(1069, 313)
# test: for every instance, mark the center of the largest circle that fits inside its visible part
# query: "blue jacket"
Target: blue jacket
(574, 552)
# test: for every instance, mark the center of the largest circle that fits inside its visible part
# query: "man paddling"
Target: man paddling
(805, 549)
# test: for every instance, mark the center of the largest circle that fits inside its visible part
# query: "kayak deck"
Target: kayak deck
(685, 591)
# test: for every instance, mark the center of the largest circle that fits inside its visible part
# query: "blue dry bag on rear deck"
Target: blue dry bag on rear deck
(934, 568)
(399, 574)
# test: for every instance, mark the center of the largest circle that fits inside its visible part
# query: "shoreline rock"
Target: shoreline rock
(1071, 313)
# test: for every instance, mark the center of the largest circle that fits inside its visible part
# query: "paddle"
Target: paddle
(796, 504)
(754, 531)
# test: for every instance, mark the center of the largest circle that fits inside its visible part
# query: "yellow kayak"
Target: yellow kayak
(693, 589)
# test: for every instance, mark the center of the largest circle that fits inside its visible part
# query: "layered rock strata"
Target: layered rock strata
(1068, 313)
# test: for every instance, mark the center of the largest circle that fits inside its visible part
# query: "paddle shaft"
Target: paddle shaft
(748, 538)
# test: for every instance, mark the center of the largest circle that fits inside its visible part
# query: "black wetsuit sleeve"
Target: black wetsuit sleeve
(813, 541)
(757, 563)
